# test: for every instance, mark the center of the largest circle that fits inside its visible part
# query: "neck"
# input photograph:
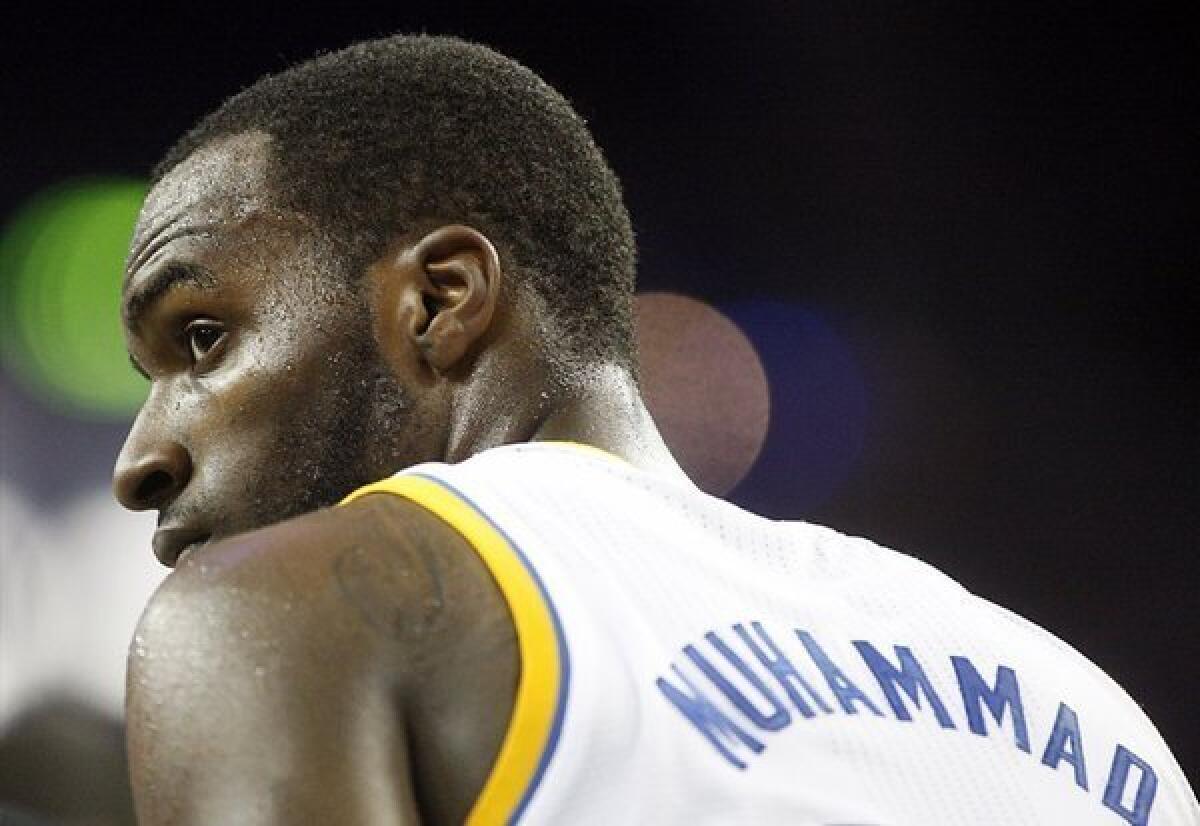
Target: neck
(602, 408)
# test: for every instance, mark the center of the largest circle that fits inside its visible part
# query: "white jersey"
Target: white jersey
(684, 661)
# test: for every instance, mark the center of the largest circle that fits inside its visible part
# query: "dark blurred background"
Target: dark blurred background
(961, 237)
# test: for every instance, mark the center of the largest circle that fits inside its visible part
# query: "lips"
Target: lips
(172, 543)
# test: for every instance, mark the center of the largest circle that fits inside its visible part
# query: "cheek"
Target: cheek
(285, 390)
(258, 449)
(236, 410)
(293, 403)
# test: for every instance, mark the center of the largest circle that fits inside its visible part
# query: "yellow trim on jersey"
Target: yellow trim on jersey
(584, 448)
(535, 711)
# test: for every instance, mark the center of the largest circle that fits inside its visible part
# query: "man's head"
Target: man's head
(329, 261)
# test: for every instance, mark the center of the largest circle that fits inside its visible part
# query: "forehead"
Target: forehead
(209, 195)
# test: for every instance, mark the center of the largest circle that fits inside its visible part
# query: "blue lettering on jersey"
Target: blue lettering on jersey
(843, 688)
(909, 676)
(782, 670)
(1118, 780)
(773, 720)
(1006, 694)
(904, 684)
(1066, 743)
(708, 719)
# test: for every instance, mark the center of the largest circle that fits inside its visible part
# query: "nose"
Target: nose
(151, 477)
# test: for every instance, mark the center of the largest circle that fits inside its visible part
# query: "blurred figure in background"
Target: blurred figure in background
(68, 607)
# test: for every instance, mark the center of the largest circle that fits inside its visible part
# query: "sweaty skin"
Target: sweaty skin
(302, 663)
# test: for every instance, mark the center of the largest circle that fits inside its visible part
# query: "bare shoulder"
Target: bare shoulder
(378, 571)
(327, 636)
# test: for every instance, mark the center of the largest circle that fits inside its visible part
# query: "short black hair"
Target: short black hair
(390, 134)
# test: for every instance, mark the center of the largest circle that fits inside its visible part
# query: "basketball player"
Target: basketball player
(407, 261)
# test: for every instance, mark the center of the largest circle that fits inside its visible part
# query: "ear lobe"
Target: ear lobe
(458, 280)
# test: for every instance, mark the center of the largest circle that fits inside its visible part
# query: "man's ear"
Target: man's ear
(440, 293)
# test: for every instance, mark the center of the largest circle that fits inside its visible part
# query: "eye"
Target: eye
(203, 337)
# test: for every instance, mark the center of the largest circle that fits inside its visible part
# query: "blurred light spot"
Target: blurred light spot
(705, 387)
(61, 260)
(818, 408)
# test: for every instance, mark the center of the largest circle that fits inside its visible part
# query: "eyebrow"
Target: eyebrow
(155, 286)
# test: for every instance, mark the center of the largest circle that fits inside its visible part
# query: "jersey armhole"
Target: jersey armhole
(536, 721)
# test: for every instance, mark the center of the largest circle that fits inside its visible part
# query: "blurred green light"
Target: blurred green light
(61, 262)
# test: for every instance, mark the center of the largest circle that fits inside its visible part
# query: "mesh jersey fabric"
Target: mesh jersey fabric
(686, 661)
